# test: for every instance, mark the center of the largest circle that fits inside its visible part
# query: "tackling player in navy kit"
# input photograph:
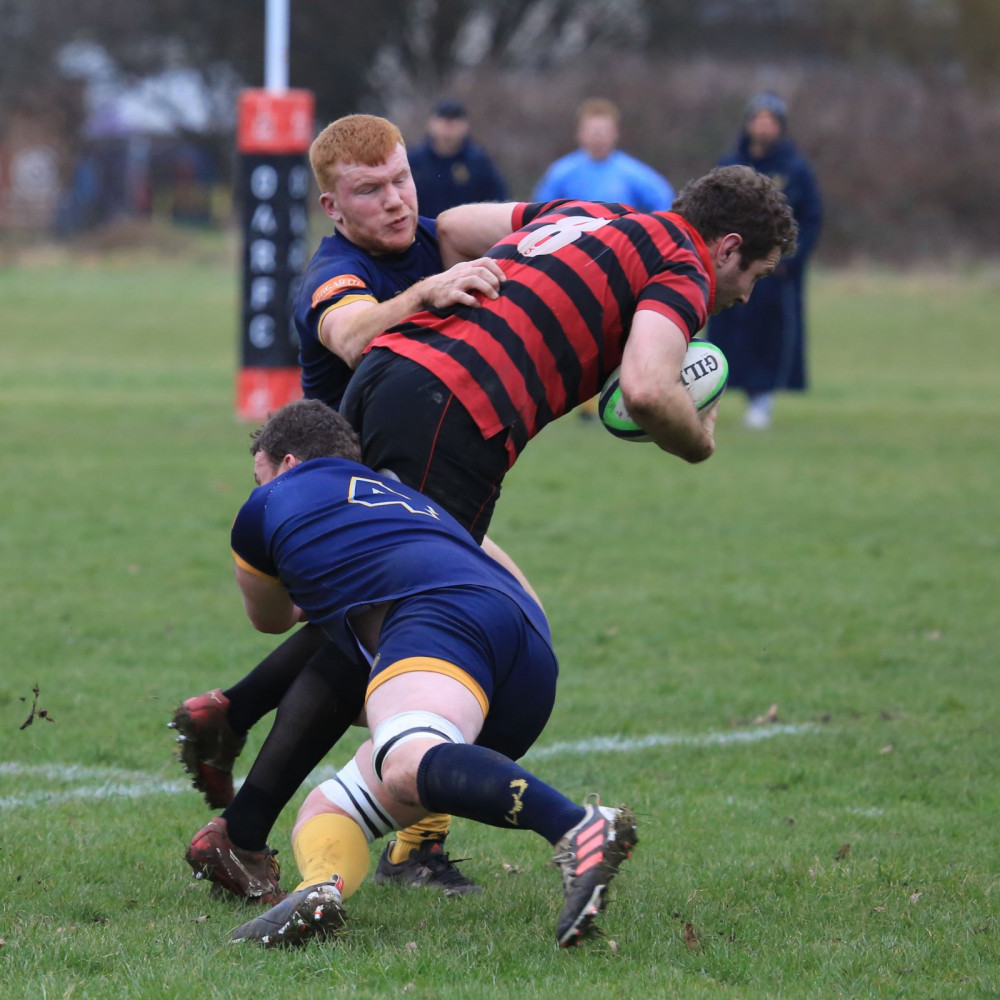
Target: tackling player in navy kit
(381, 263)
(462, 676)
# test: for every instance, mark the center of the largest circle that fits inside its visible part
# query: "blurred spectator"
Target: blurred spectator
(192, 179)
(764, 340)
(449, 168)
(598, 171)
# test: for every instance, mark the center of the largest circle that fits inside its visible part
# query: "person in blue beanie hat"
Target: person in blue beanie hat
(765, 340)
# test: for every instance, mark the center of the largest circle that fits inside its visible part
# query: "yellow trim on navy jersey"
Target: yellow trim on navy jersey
(346, 301)
(430, 664)
(243, 564)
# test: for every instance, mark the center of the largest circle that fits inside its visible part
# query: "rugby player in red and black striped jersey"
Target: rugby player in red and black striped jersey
(449, 398)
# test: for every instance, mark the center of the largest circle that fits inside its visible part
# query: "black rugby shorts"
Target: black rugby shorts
(411, 423)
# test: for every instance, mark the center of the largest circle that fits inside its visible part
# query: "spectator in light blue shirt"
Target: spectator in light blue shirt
(598, 171)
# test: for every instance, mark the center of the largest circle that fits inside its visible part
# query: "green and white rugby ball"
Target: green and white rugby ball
(704, 373)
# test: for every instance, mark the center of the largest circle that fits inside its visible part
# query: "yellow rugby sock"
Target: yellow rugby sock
(331, 844)
(432, 827)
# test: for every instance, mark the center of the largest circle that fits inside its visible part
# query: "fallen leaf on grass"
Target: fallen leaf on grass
(843, 851)
(878, 909)
(36, 712)
(915, 897)
(691, 937)
(771, 715)
(409, 987)
(888, 748)
(411, 946)
(201, 919)
(512, 869)
(613, 947)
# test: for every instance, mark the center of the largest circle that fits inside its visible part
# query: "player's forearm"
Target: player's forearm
(349, 335)
(671, 420)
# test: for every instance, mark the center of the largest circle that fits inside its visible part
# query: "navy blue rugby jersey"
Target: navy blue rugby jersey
(341, 272)
(341, 537)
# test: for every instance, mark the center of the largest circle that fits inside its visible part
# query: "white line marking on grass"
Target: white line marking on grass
(99, 783)
(93, 784)
(96, 793)
(72, 772)
(622, 744)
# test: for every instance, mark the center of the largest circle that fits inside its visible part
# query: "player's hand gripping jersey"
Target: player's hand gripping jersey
(576, 274)
(340, 273)
(340, 538)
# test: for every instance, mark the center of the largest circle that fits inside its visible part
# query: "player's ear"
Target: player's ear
(729, 245)
(329, 205)
(288, 462)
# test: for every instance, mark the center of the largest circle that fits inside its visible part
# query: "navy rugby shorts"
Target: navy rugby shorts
(480, 637)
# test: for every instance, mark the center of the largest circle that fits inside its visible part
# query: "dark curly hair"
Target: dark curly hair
(306, 429)
(739, 200)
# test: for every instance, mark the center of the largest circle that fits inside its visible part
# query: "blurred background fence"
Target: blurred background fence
(126, 112)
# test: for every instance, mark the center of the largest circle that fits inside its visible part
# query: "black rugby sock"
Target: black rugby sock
(320, 705)
(263, 688)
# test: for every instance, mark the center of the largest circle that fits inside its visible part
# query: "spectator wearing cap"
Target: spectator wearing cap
(765, 339)
(599, 171)
(449, 168)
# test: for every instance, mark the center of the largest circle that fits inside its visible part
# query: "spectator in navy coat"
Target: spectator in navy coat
(765, 339)
(449, 168)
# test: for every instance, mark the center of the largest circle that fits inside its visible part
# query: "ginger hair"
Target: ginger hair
(365, 139)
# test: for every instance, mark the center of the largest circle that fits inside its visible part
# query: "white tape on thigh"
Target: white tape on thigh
(349, 790)
(399, 729)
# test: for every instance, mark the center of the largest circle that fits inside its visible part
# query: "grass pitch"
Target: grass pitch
(842, 566)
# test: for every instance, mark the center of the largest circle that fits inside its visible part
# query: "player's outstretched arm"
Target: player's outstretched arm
(654, 394)
(468, 231)
(349, 329)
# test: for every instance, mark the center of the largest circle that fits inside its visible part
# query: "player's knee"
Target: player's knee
(399, 774)
(316, 803)
(399, 743)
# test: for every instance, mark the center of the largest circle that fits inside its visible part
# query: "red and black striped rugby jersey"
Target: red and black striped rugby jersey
(576, 273)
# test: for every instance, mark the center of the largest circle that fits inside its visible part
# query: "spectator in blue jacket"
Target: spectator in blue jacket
(449, 168)
(598, 171)
(765, 339)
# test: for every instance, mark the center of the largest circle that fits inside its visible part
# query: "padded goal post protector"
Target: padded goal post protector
(274, 131)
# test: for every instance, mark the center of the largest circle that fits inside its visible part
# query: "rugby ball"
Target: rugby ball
(704, 373)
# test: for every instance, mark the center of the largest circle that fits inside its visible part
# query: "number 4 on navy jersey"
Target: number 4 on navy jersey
(373, 493)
